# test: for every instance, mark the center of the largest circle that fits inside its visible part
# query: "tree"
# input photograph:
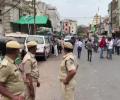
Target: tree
(81, 30)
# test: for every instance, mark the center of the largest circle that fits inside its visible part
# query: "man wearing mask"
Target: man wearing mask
(30, 70)
(67, 72)
(12, 86)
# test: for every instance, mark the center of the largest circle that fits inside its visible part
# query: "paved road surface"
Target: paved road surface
(98, 80)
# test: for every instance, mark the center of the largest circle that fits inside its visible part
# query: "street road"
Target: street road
(98, 80)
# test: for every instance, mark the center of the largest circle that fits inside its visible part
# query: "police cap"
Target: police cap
(13, 45)
(31, 44)
(68, 45)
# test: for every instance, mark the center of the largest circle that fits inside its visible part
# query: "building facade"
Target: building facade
(48, 10)
(41, 8)
(11, 11)
(69, 26)
(114, 15)
(54, 16)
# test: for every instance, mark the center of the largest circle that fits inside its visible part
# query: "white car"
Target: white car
(43, 47)
(18, 36)
(21, 38)
(67, 38)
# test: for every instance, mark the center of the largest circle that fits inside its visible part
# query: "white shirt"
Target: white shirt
(110, 44)
(118, 42)
(79, 44)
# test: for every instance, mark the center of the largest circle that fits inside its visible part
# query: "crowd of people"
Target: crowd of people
(106, 46)
(20, 82)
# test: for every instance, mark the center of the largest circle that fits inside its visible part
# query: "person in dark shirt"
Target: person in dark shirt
(89, 46)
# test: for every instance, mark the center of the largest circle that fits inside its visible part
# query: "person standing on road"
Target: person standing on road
(79, 47)
(118, 46)
(89, 47)
(30, 71)
(115, 46)
(12, 86)
(55, 47)
(67, 72)
(102, 46)
(110, 48)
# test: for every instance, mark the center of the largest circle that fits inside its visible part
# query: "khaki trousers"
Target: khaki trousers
(27, 93)
(68, 91)
(6, 98)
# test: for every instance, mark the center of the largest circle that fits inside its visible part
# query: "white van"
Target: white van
(18, 36)
(43, 47)
(67, 38)
(21, 38)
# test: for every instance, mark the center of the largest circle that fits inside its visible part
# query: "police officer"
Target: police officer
(67, 72)
(30, 69)
(12, 86)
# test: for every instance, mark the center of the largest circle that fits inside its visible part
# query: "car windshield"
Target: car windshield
(21, 40)
(68, 37)
(39, 40)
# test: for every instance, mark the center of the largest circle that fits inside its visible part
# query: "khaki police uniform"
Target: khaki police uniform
(30, 66)
(10, 74)
(68, 63)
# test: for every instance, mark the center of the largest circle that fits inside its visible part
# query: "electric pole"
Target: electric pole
(34, 3)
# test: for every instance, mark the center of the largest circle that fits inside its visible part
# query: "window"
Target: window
(24, 14)
(39, 40)
(66, 24)
(46, 40)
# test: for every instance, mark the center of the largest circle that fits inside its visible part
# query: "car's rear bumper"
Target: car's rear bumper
(40, 54)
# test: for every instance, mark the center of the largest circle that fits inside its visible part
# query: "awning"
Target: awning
(39, 20)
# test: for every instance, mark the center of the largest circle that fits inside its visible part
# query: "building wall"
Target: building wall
(73, 26)
(66, 27)
(41, 8)
(14, 14)
(53, 15)
(70, 26)
(114, 15)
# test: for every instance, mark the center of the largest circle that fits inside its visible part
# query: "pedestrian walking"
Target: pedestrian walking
(102, 46)
(110, 48)
(79, 45)
(115, 46)
(30, 71)
(12, 86)
(118, 46)
(55, 48)
(67, 72)
(59, 46)
(95, 45)
(62, 44)
(89, 46)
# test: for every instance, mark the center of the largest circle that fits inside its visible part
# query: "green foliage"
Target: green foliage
(80, 30)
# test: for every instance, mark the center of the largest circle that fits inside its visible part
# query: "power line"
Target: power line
(11, 8)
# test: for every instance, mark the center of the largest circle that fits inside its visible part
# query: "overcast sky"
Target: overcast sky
(80, 10)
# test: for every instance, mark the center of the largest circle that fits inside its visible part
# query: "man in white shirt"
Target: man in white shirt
(118, 46)
(110, 48)
(79, 45)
